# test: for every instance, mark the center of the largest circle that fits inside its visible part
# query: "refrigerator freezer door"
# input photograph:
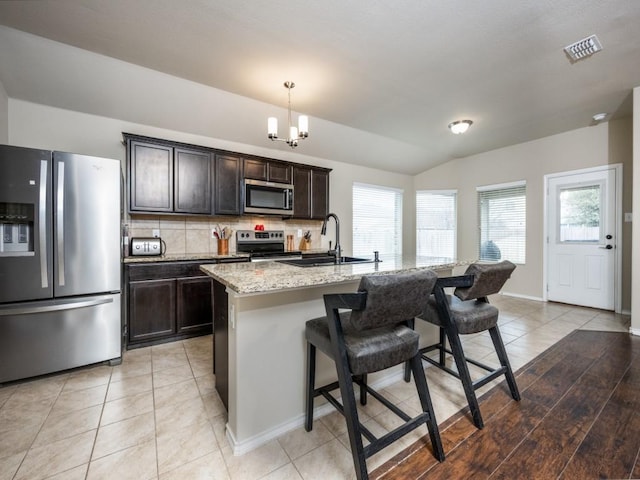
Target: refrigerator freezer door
(52, 335)
(86, 197)
(25, 222)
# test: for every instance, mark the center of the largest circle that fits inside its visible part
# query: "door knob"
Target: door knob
(607, 247)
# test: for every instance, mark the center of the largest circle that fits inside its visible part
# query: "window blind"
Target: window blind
(502, 212)
(436, 225)
(377, 220)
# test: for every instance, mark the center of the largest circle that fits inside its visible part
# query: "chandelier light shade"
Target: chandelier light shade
(295, 133)
(460, 126)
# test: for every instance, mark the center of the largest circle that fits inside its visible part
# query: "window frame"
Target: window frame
(454, 243)
(358, 248)
(520, 245)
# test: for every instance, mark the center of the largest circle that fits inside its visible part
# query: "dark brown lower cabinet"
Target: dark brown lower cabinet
(167, 301)
(195, 305)
(152, 306)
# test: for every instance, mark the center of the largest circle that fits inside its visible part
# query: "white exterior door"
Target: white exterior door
(582, 231)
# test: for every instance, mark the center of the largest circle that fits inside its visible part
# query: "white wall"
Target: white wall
(582, 148)
(4, 115)
(39, 126)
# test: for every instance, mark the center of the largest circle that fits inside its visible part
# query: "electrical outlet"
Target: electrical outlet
(156, 233)
(213, 233)
(299, 233)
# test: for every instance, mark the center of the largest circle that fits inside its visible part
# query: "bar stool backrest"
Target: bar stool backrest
(488, 279)
(392, 299)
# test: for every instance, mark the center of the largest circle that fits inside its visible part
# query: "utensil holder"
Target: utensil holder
(223, 246)
(305, 244)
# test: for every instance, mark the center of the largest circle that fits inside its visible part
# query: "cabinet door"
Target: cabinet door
(195, 304)
(319, 194)
(152, 309)
(279, 172)
(255, 169)
(301, 192)
(150, 177)
(192, 189)
(227, 185)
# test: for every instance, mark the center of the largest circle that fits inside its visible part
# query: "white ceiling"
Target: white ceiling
(398, 70)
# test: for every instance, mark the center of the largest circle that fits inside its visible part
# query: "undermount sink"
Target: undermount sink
(324, 261)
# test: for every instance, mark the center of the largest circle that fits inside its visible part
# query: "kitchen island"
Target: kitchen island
(260, 310)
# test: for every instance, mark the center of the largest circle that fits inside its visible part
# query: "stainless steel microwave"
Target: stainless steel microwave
(268, 198)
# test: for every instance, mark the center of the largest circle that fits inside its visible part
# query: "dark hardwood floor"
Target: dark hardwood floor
(579, 418)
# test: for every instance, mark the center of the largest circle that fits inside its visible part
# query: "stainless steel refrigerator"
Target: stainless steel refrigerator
(60, 261)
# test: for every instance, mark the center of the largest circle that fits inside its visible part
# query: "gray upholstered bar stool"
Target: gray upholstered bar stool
(371, 336)
(468, 311)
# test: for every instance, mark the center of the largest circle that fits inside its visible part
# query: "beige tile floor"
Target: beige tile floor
(157, 416)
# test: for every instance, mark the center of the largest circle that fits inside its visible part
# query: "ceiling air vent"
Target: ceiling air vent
(583, 48)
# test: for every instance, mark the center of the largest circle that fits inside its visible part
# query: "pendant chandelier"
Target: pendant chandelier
(295, 133)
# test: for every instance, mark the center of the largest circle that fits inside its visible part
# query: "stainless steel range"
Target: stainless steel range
(264, 245)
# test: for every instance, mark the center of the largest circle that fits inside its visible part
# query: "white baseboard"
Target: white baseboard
(240, 448)
(525, 297)
(634, 331)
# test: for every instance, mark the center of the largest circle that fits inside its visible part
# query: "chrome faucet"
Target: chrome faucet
(338, 251)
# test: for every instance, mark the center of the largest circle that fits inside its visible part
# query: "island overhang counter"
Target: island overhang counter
(260, 310)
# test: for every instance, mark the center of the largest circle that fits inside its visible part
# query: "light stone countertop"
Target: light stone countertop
(263, 277)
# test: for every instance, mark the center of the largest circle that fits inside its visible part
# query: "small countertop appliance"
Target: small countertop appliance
(147, 246)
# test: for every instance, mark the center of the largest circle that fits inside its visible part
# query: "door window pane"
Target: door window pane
(580, 214)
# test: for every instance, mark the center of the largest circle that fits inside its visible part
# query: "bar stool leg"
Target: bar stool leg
(311, 379)
(465, 377)
(363, 389)
(427, 406)
(443, 344)
(504, 361)
(351, 416)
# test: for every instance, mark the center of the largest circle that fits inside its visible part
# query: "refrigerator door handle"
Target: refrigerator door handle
(60, 223)
(27, 310)
(42, 225)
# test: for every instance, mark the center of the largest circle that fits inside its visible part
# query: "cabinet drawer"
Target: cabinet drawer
(160, 270)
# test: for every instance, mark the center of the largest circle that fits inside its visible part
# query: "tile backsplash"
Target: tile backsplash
(193, 235)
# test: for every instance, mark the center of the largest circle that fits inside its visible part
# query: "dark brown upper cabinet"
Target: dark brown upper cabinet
(319, 193)
(310, 192)
(168, 179)
(150, 177)
(178, 178)
(267, 170)
(227, 185)
(192, 181)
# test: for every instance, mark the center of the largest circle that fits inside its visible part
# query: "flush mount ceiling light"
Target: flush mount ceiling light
(598, 117)
(460, 126)
(295, 133)
(583, 48)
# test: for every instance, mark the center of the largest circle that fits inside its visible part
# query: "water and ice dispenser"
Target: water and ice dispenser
(16, 229)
